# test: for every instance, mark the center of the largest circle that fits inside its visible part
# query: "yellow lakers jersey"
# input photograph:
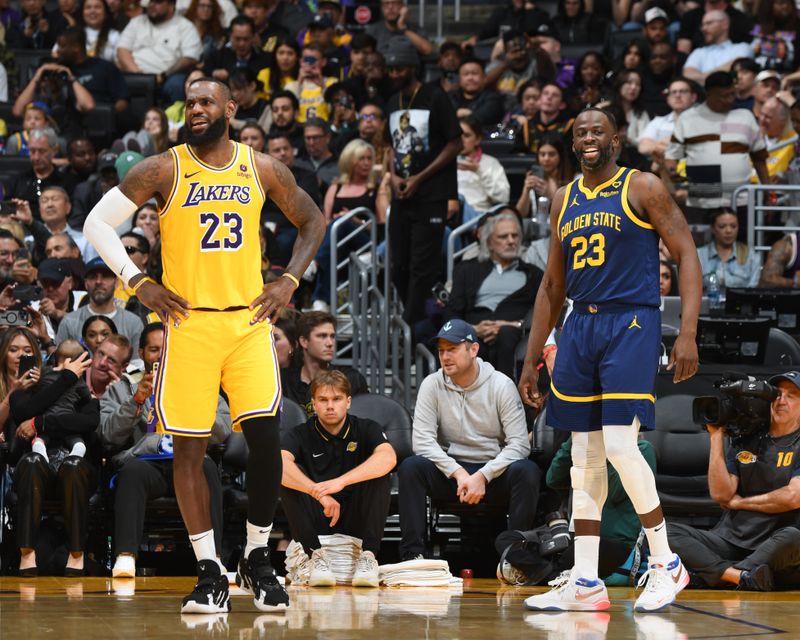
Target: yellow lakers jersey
(210, 246)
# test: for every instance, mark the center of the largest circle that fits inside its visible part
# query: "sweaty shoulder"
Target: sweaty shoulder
(647, 194)
(152, 177)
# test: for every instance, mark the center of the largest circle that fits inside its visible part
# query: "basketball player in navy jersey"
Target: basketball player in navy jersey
(604, 256)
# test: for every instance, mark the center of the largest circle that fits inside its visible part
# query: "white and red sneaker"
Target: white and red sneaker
(571, 593)
(662, 585)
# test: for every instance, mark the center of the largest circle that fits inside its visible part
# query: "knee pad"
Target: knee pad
(589, 492)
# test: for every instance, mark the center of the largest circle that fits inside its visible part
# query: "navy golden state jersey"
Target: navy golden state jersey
(610, 255)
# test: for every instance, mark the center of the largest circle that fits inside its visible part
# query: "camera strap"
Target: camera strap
(636, 561)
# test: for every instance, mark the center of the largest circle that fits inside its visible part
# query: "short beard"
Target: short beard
(214, 131)
(156, 19)
(606, 153)
(99, 299)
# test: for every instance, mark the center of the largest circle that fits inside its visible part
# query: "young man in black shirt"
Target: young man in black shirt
(316, 335)
(336, 480)
(426, 138)
(756, 544)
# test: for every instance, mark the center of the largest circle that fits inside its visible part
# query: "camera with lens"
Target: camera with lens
(555, 538)
(60, 75)
(742, 408)
(440, 293)
(345, 101)
(14, 318)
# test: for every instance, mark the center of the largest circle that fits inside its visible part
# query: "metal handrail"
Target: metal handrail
(756, 208)
(452, 254)
(335, 264)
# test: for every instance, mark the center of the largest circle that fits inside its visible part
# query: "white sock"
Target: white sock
(38, 446)
(660, 553)
(587, 556)
(78, 449)
(256, 537)
(203, 545)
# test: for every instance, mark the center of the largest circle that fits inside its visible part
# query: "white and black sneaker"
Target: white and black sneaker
(210, 594)
(256, 575)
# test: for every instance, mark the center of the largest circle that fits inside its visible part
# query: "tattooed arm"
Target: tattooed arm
(301, 211)
(778, 258)
(649, 197)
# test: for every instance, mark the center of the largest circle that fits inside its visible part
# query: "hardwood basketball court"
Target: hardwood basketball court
(66, 608)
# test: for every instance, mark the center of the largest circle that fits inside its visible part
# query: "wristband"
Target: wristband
(141, 282)
(294, 280)
(548, 349)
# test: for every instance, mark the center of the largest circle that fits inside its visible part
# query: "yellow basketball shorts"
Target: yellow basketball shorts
(208, 350)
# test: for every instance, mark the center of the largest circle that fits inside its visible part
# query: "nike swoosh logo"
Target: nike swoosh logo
(186, 176)
(317, 455)
(659, 528)
(588, 594)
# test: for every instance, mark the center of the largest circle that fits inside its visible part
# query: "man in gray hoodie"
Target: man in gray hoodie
(470, 439)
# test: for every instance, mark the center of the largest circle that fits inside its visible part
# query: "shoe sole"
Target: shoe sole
(123, 574)
(681, 586)
(322, 583)
(196, 607)
(363, 582)
(601, 605)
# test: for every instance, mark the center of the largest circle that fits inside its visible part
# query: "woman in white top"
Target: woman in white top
(101, 39)
(628, 95)
(481, 178)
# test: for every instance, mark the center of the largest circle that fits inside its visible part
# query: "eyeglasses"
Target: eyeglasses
(678, 92)
(130, 250)
(369, 116)
(313, 138)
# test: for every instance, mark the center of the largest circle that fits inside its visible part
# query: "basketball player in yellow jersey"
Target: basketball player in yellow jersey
(218, 316)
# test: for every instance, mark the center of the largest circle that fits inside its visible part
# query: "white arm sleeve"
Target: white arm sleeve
(113, 209)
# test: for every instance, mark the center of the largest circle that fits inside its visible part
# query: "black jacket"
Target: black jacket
(467, 279)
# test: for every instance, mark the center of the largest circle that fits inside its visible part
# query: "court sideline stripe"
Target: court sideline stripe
(757, 625)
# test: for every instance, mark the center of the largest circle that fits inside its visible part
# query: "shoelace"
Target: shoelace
(653, 577)
(561, 581)
(364, 563)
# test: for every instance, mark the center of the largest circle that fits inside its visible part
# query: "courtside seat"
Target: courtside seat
(682, 449)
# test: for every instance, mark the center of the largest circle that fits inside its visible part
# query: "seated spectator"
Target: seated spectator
(89, 192)
(82, 160)
(163, 43)
(776, 125)
(282, 231)
(691, 34)
(481, 178)
(719, 52)
(98, 25)
(65, 469)
(782, 266)
(775, 35)
(660, 70)
(245, 92)
(656, 136)
(573, 24)
(767, 85)
(554, 170)
(473, 97)
(632, 59)
(269, 31)
(253, 136)
(321, 32)
(336, 480)
(284, 108)
(240, 52)
(61, 246)
(744, 72)
(207, 18)
(627, 96)
(316, 335)
(142, 454)
(395, 24)
(15, 262)
(100, 78)
(100, 282)
(544, 39)
(588, 86)
(33, 117)
(137, 247)
(656, 23)
(38, 28)
(517, 66)
(667, 278)
(718, 143)
(470, 442)
(619, 527)
(284, 334)
(357, 186)
(496, 292)
(450, 56)
(311, 84)
(146, 220)
(734, 263)
(153, 137)
(95, 330)
(343, 118)
(371, 129)
(317, 152)
(528, 96)
(59, 296)
(552, 117)
(54, 210)
(754, 545)
(29, 185)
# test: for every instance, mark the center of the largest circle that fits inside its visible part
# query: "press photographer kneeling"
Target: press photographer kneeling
(756, 544)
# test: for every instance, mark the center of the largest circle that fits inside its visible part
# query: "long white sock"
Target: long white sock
(256, 537)
(203, 545)
(587, 555)
(660, 553)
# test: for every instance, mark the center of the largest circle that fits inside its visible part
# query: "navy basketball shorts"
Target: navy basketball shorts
(606, 366)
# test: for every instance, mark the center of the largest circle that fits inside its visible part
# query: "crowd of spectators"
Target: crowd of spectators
(423, 136)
